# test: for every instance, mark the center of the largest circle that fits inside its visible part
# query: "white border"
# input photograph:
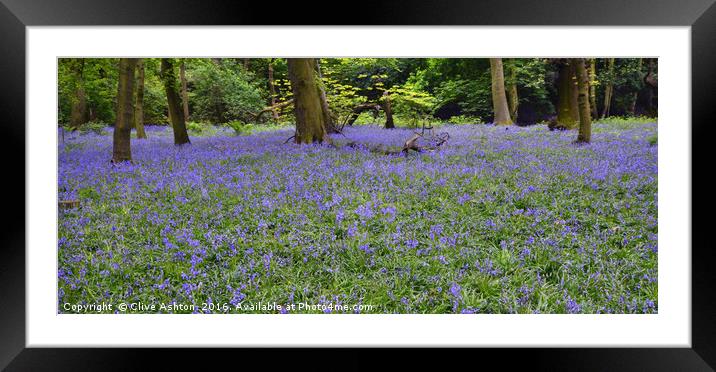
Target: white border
(671, 327)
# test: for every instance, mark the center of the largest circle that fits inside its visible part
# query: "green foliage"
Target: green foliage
(627, 78)
(89, 127)
(342, 98)
(463, 119)
(223, 92)
(195, 126)
(454, 90)
(412, 103)
(626, 121)
(240, 128)
(99, 79)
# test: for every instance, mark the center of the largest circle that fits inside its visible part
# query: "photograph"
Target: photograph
(357, 185)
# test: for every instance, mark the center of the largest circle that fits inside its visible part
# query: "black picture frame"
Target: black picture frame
(15, 15)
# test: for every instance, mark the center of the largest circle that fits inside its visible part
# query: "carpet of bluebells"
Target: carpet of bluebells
(517, 220)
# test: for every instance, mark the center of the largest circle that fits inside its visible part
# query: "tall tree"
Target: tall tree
(176, 115)
(652, 84)
(635, 95)
(78, 115)
(593, 87)
(121, 150)
(585, 115)
(389, 124)
(567, 106)
(499, 97)
(272, 90)
(139, 102)
(513, 99)
(184, 93)
(328, 121)
(310, 127)
(609, 89)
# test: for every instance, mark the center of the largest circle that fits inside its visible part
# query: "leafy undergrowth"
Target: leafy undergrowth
(517, 220)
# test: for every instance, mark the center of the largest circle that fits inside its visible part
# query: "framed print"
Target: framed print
(432, 175)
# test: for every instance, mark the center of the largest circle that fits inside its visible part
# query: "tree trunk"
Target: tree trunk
(139, 103)
(652, 83)
(310, 127)
(567, 106)
(513, 99)
(499, 98)
(176, 115)
(272, 91)
(78, 115)
(246, 63)
(585, 118)
(325, 110)
(389, 124)
(609, 88)
(593, 87)
(184, 93)
(635, 95)
(121, 150)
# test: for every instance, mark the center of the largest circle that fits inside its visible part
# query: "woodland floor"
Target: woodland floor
(495, 221)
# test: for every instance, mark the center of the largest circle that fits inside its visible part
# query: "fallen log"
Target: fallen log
(410, 145)
(69, 204)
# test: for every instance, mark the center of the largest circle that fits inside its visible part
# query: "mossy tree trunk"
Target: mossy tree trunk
(593, 87)
(121, 150)
(78, 114)
(139, 102)
(328, 121)
(272, 91)
(176, 114)
(310, 126)
(609, 88)
(585, 115)
(389, 124)
(513, 99)
(499, 97)
(184, 92)
(567, 106)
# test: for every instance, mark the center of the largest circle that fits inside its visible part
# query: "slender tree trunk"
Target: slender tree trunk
(327, 114)
(567, 111)
(499, 97)
(176, 115)
(121, 150)
(78, 114)
(246, 63)
(585, 118)
(272, 90)
(513, 99)
(184, 93)
(139, 103)
(310, 127)
(653, 84)
(389, 124)
(593, 87)
(609, 88)
(635, 95)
